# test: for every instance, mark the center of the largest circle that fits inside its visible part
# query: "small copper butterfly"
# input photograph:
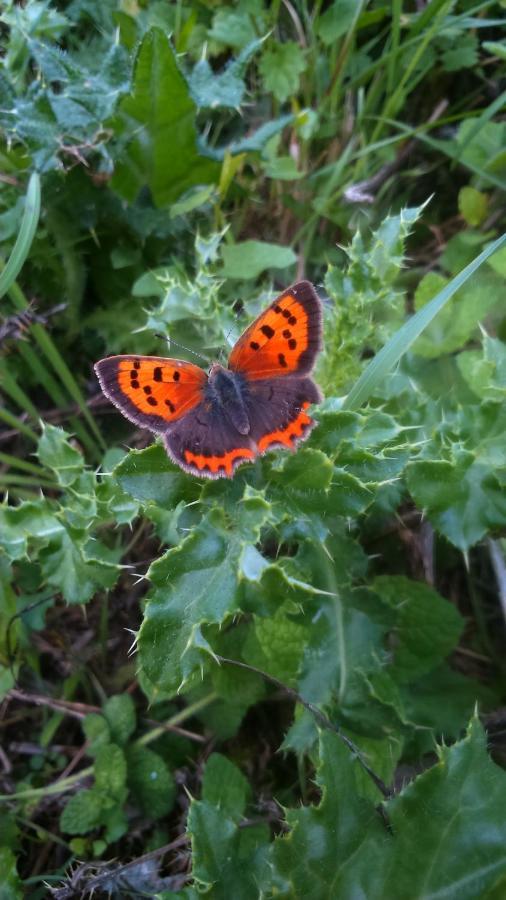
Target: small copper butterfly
(213, 422)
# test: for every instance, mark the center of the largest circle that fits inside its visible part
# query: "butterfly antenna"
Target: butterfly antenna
(182, 347)
(226, 349)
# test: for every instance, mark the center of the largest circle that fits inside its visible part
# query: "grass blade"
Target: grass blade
(18, 425)
(25, 237)
(390, 354)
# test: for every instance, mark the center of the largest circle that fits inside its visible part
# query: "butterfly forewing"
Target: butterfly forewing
(284, 340)
(149, 390)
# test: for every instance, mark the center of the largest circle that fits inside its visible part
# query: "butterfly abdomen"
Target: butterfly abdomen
(227, 392)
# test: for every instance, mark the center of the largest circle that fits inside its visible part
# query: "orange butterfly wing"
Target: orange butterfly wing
(151, 391)
(283, 340)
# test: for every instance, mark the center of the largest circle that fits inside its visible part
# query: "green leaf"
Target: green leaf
(119, 712)
(343, 643)
(68, 568)
(223, 853)
(19, 524)
(454, 811)
(225, 89)
(282, 168)
(461, 52)
(110, 773)
(458, 321)
(256, 141)
(196, 583)
(336, 20)
(150, 782)
(158, 124)
(463, 500)
(276, 646)
(149, 475)
(482, 149)
(281, 66)
(498, 262)
(11, 887)
(239, 27)
(225, 787)
(422, 702)
(427, 628)
(56, 453)
(250, 258)
(96, 731)
(495, 48)
(454, 806)
(464, 494)
(116, 825)
(335, 846)
(485, 370)
(473, 205)
(82, 812)
(348, 497)
(365, 304)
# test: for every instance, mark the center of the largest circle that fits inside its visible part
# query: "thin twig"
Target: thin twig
(81, 710)
(76, 710)
(78, 878)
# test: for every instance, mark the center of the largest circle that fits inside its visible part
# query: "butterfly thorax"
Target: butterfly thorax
(227, 391)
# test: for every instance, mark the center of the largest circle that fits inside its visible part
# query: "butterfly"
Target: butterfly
(213, 422)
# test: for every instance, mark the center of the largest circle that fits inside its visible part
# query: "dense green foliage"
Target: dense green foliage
(316, 645)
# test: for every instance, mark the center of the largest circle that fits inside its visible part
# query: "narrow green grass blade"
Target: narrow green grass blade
(15, 463)
(390, 354)
(18, 425)
(17, 394)
(25, 237)
(51, 385)
(13, 480)
(8, 283)
(447, 148)
(59, 365)
(395, 41)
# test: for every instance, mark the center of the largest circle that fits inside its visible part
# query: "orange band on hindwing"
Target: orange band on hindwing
(288, 436)
(218, 465)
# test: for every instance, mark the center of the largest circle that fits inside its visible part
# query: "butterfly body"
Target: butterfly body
(228, 394)
(213, 422)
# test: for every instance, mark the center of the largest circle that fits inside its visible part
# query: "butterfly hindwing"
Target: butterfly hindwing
(277, 411)
(205, 443)
(284, 340)
(151, 391)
